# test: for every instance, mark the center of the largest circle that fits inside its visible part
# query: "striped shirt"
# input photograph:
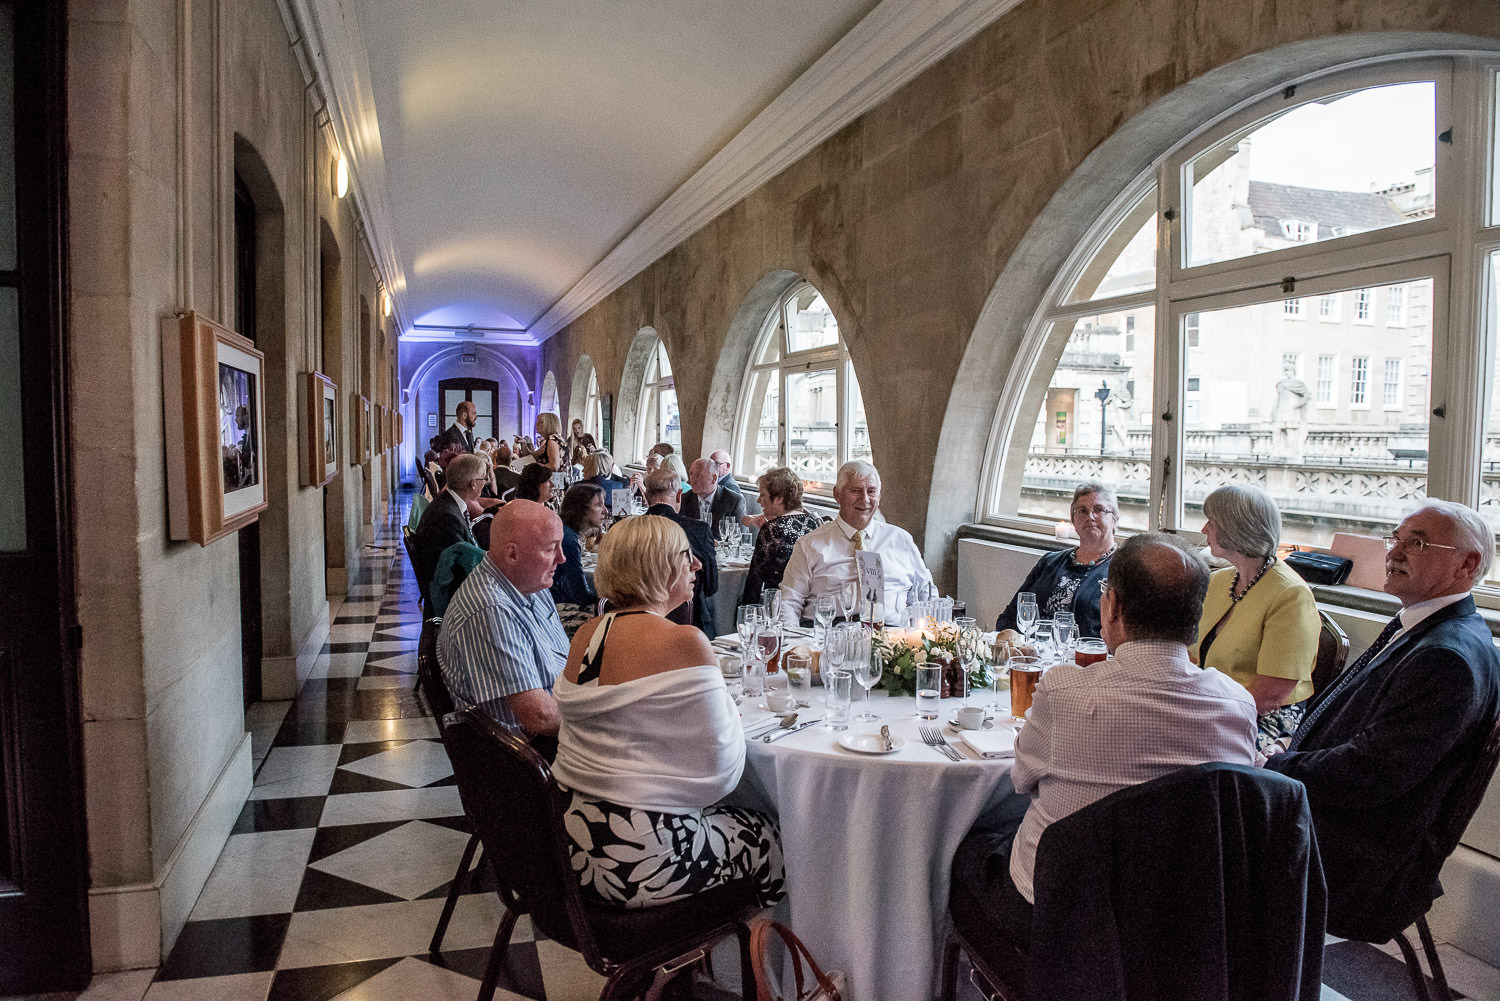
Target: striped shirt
(496, 641)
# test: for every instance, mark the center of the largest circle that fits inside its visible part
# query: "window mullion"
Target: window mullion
(1165, 513)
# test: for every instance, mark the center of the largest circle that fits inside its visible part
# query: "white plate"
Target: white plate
(869, 743)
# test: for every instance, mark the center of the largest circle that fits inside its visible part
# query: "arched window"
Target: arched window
(1301, 296)
(801, 407)
(659, 419)
(591, 416)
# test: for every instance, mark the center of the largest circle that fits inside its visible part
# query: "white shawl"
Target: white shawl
(670, 742)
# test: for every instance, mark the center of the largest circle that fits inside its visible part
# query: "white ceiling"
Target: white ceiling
(516, 161)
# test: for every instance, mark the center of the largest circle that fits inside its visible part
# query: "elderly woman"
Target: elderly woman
(599, 468)
(583, 512)
(650, 740)
(1073, 580)
(535, 484)
(1260, 622)
(784, 523)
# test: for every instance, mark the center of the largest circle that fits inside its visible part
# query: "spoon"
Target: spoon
(781, 724)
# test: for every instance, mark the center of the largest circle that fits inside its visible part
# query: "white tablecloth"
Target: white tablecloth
(868, 842)
(727, 598)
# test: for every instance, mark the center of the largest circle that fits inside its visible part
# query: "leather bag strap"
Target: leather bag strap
(760, 928)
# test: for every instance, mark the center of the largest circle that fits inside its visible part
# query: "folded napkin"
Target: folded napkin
(997, 743)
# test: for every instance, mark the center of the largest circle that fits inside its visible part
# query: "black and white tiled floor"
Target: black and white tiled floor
(333, 878)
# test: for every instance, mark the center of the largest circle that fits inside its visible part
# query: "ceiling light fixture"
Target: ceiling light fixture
(340, 175)
(385, 303)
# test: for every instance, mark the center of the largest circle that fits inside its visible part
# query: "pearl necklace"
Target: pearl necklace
(1234, 585)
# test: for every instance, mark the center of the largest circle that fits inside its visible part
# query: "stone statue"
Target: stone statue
(1289, 417)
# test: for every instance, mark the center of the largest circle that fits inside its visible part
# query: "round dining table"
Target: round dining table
(868, 839)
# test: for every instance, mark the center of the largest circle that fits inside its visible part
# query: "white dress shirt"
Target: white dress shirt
(822, 561)
(1093, 731)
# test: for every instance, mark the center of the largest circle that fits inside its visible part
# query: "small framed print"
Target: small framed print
(321, 432)
(400, 429)
(377, 440)
(367, 426)
(213, 403)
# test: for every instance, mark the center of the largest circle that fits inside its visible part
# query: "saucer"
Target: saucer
(870, 743)
(989, 721)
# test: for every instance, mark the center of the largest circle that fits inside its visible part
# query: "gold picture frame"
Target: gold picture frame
(320, 431)
(213, 408)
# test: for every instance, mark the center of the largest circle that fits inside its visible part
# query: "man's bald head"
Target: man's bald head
(1155, 590)
(526, 544)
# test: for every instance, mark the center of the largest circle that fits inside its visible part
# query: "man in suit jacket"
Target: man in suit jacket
(446, 519)
(1383, 749)
(461, 431)
(664, 495)
(506, 478)
(724, 470)
(708, 501)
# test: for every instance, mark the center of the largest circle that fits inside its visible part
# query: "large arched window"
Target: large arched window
(659, 419)
(1301, 296)
(591, 410)
(801, 406)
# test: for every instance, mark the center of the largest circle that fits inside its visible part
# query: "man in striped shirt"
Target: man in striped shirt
(501, 642)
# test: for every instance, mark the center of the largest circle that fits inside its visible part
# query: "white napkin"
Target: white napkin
(997, 743)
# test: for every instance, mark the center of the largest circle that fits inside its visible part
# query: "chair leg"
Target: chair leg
(1433, 963)
(950, 968)
(460, 880)
(497, 957)
(1413, 967)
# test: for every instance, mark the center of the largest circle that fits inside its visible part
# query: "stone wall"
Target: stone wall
(917, 221)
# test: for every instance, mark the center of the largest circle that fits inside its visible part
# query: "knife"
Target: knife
(778, 734)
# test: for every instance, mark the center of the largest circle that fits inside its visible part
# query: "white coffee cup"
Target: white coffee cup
(780, 701)
(971, 717)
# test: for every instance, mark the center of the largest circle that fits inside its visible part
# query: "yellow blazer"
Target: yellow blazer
(1273, 631)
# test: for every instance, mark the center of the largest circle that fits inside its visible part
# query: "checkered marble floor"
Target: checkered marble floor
(333, 878)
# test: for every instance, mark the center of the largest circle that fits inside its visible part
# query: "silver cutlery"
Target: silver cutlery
(767, 726)
(778, 734)
(933, 738)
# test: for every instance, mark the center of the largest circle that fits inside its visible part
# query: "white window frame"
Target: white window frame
(1391, 385)
(1447, 240)
(1395, 306)
(1364, 306)
(653, 428)
(1291, 307)
(1327, 380)
(1359, 382)
(1328, 308)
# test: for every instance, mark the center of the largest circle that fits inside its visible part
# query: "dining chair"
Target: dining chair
(1201, 884)
(1447, 832)
(1333, 652)
(440, 703)
(516, 805)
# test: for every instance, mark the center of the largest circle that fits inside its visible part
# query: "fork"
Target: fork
(934, 739)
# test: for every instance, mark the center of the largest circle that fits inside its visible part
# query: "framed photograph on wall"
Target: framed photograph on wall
(213, 405)
(320, 430)
(367, 430)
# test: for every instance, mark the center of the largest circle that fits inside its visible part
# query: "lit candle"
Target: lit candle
(1062, 530)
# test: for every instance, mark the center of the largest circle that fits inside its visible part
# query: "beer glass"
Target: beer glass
(1024, 672)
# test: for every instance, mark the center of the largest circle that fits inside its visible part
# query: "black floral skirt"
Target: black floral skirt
(631, 858)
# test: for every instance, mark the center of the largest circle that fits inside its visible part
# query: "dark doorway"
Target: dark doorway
(251, 642)
(483, 393)
(44, 941)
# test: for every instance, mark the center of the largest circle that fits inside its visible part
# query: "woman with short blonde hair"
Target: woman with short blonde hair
(650, 740)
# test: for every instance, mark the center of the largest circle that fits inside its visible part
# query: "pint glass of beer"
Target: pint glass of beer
(1024, 672)
(1090, 651)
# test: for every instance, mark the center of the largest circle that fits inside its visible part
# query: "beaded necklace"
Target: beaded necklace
(1234, 585)
(1092, 563)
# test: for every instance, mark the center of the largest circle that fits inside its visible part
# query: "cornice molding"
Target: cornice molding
(892, 44)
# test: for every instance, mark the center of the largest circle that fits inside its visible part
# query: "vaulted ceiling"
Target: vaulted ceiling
(516, 161)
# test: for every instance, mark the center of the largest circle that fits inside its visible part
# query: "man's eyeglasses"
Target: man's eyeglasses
(1412, 545)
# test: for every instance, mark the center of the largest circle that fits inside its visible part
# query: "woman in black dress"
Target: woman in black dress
(785, 523)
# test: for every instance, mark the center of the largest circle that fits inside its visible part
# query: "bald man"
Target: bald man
(501, 642)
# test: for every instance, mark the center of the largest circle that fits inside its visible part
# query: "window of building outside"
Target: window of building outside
(801, 407)
(1332, 189)
(659, 419)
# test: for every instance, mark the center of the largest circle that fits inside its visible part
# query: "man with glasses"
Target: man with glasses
(446, 519)
(1382, 749)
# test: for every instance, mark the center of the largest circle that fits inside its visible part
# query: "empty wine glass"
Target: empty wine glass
(968, 648)
(770, 601)
(823, 612)
(1027, 615)
(867, 669)
(1064, 632)
(767, 647)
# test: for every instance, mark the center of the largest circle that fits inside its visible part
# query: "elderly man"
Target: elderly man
(664, 495)
(823, 560)
(724, 470)
(461, 431)
(1382, 749)
(710, 501)
(446, 519)
(1071, 751)
(501, 642)
(506, 478)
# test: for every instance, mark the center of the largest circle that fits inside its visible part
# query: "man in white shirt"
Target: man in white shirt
(1147, 711)
(823, 561)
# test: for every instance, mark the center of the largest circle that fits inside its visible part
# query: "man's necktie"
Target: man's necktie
(859, 540)
(469, 439)
(1391, 628)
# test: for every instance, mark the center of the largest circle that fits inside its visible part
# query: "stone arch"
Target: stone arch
(578, 393)
(627, 415)
(548, 401)
(727, 388)
(412, 404)
(998, 359)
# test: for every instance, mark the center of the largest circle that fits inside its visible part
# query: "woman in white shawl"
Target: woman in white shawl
(651, 741)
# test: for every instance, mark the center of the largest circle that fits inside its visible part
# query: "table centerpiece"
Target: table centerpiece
(901, 650)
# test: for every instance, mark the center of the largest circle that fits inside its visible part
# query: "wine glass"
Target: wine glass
(822, 615)
(746, 617)
(1064, 632)
(968, 648)
(834, 646)
(770, 600)
(767, 648)
(847, 597)
(867, 669)
(1000, 672)
(1027, 615)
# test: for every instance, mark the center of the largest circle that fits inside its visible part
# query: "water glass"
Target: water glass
(753, 679)
(799, 677)
(837, 686)
(747, 542)
(929, 690)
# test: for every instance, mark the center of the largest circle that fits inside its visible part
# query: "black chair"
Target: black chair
(1186, 887)
(1447, 833)
(516, 805)
(406, 536)
(440, 702)
(1333, 653)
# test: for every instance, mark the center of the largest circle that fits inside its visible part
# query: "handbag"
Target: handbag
(826, 986)
(1320, 568)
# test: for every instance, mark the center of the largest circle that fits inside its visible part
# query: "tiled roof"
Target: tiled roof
(1349, 211)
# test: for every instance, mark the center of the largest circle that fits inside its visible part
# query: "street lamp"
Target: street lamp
(1102, 395)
